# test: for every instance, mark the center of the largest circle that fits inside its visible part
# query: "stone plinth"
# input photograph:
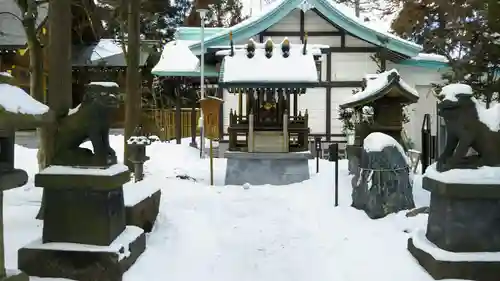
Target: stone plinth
(266, 168)
(83, 205)
(15, 275)
(442, 264)
(83, 262)
(85, 236)
(462, 240)
(142, 204)
(464, 217)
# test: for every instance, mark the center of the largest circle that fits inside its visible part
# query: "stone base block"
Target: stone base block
(142, 205)
(83, 205)
(83, 262)
(15, 275)
(463, 217)
(441, 264)
(266, 168)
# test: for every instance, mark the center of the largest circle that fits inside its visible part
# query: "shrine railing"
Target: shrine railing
(295, 132)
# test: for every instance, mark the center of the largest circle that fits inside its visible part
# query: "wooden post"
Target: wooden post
(193, 124)
(178, 113)
(2, 253)
(133, 92)
(240, 105)
(285, 132)
(250, 132)
(211, 163)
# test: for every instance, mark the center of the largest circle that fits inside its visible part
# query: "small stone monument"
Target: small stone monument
(17, 111)
(85, 236)
(383, 184)
(462, 240)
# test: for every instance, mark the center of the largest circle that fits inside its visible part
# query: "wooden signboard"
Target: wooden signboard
(211, 111)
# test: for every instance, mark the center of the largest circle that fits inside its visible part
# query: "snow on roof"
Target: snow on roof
(295, 68)
(176, 58)
(104, 84)
(430, 57)
(376, 83)
(16, 100)
(450, 92)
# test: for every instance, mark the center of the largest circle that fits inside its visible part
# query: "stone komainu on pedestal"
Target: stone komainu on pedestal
(464, 213)
(464, 130)
(90, 121)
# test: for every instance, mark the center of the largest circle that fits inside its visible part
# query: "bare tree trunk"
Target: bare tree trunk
(133, 93)
(60, 75)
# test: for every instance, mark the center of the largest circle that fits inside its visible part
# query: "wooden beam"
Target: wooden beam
(301, 33)
(353, 49)
(328, 115)
(340, 84)
(302, 19)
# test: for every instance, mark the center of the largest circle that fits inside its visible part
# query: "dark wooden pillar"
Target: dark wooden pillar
(194, 123)
(178, 115)
(60, 65)
(220, 94)
(328, 115)
(295, 103)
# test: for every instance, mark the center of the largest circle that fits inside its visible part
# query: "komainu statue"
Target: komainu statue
(91, 120)
(470, 127)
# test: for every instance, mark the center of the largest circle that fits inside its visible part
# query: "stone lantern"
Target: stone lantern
(19, 111)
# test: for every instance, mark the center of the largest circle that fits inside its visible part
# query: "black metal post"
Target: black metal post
(333, 156)
(317, 143)
(426, 142)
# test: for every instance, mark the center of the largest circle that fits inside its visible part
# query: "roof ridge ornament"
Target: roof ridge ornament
(305, 6)
(250, 48)
(231, 42)
(285, 47)
(268, 48)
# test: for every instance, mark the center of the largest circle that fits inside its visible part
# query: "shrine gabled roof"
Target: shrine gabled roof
(378, 86)
(276, 70)
(277, 11)
(12, 32)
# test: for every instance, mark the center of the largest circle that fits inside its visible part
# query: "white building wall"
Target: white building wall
(290, 22)
(313, 22)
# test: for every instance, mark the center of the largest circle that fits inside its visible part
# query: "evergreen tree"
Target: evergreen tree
(466, 32)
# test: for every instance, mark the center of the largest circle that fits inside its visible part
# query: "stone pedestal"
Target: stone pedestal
(84, 232)
(15, 275)
(266, 168)
(142, 204)
(463, 233)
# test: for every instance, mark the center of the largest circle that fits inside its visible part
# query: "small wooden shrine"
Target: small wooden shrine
(379, 106)
(269, 139)
(269, 75)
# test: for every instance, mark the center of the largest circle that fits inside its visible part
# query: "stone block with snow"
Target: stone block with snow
(383, 183)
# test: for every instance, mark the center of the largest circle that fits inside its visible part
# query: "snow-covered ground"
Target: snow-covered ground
(227, 233)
